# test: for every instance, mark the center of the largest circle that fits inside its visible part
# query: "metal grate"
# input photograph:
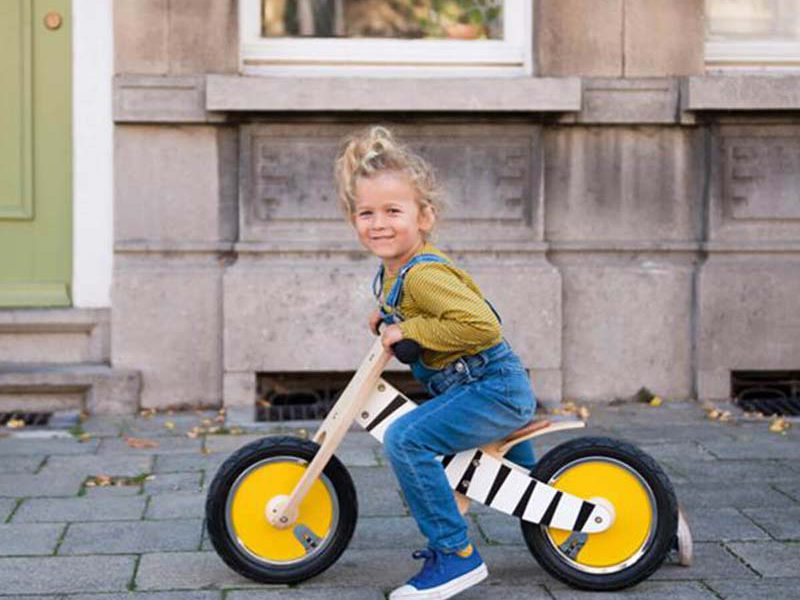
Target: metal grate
(310, 396)
(767, 392)
(30, 419)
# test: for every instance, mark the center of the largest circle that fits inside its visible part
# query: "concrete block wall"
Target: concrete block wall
(634, 235)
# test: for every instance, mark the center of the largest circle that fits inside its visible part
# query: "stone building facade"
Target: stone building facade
(634, 218)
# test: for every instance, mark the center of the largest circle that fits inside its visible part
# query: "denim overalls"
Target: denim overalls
(476, 399)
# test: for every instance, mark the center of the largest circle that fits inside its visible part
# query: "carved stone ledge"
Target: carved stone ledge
(742, 92)
(628, 101)
(154, 99)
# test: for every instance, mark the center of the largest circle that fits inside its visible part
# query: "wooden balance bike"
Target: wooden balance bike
(596, 513)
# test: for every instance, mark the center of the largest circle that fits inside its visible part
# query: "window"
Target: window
(387, 37)
(753, 34)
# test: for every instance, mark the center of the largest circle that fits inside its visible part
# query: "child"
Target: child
(480, 390)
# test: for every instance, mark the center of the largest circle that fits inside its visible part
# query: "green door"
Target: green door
(35, 153)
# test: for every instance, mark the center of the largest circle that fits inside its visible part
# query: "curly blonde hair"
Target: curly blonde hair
(375, 150)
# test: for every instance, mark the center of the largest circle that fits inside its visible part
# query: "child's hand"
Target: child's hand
(391, 335)
(374, 321)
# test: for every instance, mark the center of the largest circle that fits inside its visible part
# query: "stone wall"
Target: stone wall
(634, 221)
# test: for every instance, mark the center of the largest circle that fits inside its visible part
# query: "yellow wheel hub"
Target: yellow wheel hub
(248, 515)
(633, 508)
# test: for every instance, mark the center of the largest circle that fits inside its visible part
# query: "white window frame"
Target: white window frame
(752, 54)
(510, 57)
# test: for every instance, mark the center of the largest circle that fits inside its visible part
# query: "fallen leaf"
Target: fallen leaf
(779, 425)
(15, 424)
(169, 425)
(656, 401)
(84, 437)
(140, 443)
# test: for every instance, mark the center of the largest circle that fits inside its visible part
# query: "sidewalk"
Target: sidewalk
(60, 538)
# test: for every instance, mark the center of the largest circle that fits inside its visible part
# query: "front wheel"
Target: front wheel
(644, 507)
(236, 512)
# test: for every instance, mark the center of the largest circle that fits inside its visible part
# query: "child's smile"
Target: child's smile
(388, 218)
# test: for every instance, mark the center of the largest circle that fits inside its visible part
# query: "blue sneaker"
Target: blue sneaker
(443, 575)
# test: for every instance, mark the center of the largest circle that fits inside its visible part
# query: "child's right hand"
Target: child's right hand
(374, 321)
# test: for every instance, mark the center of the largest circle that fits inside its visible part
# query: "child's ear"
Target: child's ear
(427, 217)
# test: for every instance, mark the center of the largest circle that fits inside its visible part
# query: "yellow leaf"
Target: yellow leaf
(779, 425)
(169, 425)
(656, 401)
(15, 424)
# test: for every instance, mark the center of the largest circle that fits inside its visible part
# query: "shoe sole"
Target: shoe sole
(449, 589)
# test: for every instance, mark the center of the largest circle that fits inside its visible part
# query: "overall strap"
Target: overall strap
(396, 293)
(393, 315)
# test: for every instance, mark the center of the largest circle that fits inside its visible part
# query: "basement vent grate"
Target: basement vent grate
(767, 392)
(16, 419)
(310, 396)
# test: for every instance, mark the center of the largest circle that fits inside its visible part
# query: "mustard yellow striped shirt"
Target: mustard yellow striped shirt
(444, 311)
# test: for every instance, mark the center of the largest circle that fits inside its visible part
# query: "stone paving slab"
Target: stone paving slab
(351, 593)
(781, 524)
(400, 532)
(770, 559)
(647, 590)
(792, 490)
(774, 589)
(728, 471)
(498, 528)
(710, 560)
(131, 537)
(176, 506)
(377, 492)
(112, 491)
(21, 464)
(723, 524)
(82, 508)
(698, 496)
(65, 574)
(121, 465)
(756, 447)
(166, 424)
(165, 445)
(172, 595)
(12, 446)
(20, 486)
(228, 444)
(179, 463)
(29, 539)
(187, 570)
(7, 506)
(169, 483)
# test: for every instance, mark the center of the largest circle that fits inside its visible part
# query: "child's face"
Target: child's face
(388, 218)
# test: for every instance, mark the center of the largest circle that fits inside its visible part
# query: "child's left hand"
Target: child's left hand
(391, 335)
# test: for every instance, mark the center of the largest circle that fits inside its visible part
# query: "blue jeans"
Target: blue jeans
(477, 399)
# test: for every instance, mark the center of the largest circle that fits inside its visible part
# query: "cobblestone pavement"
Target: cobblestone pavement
(61, 537)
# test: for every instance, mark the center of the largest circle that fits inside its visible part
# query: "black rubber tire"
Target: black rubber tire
(263, 571)
(556, 563)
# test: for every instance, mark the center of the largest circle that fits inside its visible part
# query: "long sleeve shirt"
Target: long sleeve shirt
(445, 312)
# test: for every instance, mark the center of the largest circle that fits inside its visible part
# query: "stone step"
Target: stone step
(58, 335)
(95, 388)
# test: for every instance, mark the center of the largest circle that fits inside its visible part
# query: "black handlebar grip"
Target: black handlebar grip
(407, 351)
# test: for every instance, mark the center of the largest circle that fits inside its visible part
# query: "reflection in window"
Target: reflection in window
(753, 20)
(399, 19)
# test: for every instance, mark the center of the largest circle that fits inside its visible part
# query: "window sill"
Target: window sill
(742, 92)
(367, 94)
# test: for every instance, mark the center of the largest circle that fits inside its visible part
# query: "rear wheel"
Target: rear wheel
(645, 515)
(236, 512)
